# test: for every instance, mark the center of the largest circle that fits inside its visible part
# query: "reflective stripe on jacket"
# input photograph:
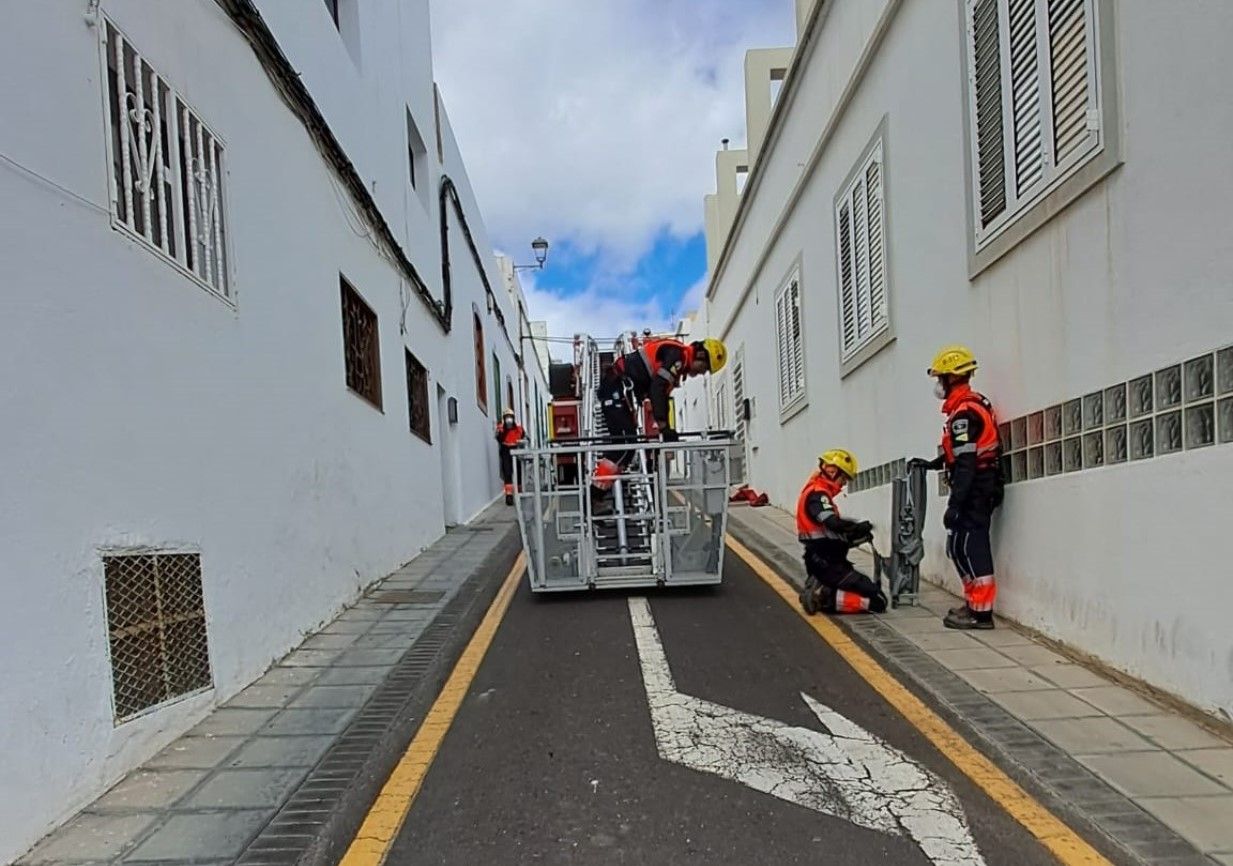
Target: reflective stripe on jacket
(987, 447)
(806, 527)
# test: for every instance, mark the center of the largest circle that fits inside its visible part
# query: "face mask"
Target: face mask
(509, 422)
(939, 390)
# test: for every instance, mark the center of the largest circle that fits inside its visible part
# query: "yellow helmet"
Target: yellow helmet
(717, 352)
(953, 361)
(844, 461)
(508, 413)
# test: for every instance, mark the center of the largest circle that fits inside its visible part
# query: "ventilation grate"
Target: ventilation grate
(157, 629)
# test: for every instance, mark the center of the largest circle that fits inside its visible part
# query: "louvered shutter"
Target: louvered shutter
(1029, 153)
(877, 258)
(1068, 58)
(797, 343)
(987, 83)
(781, 344)
(738, 396)
(847, 288)
(860, 259)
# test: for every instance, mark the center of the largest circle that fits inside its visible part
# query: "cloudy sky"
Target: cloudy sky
(595, 123)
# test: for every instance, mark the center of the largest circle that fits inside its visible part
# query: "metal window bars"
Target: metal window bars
(166, 167)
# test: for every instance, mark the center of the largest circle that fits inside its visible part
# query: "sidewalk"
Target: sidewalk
(1156, 781)
(282, 772)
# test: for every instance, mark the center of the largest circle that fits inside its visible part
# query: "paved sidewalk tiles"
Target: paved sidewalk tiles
(206, 796)
(1155, 781)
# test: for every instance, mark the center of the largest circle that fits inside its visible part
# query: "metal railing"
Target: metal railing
(661, 523)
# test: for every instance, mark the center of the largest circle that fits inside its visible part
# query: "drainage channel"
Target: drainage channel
(317, 820)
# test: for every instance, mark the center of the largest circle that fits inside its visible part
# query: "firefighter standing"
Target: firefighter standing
(509, 435)
(652, 371)
(833, 584)
(971, 458)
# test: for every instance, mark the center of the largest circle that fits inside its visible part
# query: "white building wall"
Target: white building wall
(1123, 562)
(140, 409)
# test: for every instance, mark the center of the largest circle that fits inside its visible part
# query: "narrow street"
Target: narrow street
(552, 757)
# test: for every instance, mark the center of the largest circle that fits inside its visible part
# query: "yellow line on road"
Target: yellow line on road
(385, 819)
(1061, 840)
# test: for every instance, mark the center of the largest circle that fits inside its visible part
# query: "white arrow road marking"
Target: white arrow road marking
(846, 772)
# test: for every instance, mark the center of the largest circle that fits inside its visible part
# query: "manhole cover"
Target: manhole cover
(408, 596)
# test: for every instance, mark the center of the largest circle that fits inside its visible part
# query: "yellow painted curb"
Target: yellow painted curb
(385, 819)
(1063, 842)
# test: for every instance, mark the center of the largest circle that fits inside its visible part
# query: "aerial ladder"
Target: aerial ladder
(663, 520)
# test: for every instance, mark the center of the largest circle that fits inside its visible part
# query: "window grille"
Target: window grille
(496, 384)
(481, 374)
(722, 406)
(738, 397)
(167, 168)
(156, 629)
(361, 346)
(417, 398)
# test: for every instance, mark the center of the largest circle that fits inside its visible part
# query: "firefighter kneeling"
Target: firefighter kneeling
(833, 584)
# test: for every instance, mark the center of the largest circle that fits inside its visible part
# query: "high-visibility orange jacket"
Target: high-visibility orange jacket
(817, 515)
(510, 436)
(654, 369)
(971, 450)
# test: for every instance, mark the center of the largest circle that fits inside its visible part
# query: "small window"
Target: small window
(496, 385)
(417, 157)
(417, 398)
(156, 629)
(361, 346)
(722, 406)
(789, 343)
(860, 223)
(481, 374)
(167, 168)
(1034, 102)
(738, 395)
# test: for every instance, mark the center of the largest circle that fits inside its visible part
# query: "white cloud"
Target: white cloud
(602, 314)
(596, 121)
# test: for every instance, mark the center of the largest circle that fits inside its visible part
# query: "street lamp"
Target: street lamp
(540, 247)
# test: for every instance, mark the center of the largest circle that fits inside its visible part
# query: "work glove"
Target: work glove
(951, 518)
(860, 533)
(920, 463)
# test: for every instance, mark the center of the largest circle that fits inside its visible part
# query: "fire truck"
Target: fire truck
(659, 522)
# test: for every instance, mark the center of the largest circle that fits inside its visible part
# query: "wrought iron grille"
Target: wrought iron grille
(166, 167)
(361, 348)
(417, 398)
(157, 629)
(481, 377)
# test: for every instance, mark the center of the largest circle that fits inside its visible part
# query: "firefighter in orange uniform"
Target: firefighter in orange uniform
(652, 371)
(971, 458)
(833, 585)
(509, 436)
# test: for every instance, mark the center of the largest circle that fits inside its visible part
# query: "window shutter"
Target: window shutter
(877, 264)
(1025, 95)
(987, 81)
(860, 258)
(847, 291)
(738, 396)
(797, 381)
(781, 344)
(1068, 57)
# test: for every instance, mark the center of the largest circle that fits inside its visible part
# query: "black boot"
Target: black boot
(967, 620)
(809, 596)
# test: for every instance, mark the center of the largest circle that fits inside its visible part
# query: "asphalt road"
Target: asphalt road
(553, 757)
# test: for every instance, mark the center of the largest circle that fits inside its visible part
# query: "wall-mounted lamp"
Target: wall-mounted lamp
(540, 248)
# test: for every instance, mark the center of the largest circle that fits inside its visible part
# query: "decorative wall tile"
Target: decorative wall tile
(1093, 411)
(1141, 396)
(1169, 433)
(1169, 388)
(1201, 425)
(1200, 379)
